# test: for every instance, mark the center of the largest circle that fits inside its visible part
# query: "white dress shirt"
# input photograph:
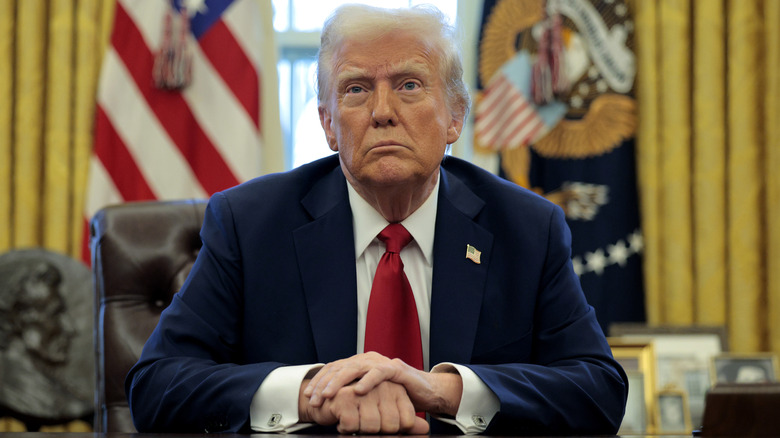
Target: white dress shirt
(274, 407)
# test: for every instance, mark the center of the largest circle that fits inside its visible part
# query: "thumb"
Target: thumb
(421, 427)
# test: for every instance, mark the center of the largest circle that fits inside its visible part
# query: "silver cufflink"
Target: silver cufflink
(479, 420)
(274, 420)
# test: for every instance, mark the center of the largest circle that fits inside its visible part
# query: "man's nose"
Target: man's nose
(383, 111)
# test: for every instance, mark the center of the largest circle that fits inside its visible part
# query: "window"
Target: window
(297, 24)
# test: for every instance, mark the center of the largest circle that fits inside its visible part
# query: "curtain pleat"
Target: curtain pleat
(675, 163)
(94, 18)
(58, 159)
(746, 318)
(709, 163)
(771, 167)
(648, 150)
(7, 26)
(28, 95)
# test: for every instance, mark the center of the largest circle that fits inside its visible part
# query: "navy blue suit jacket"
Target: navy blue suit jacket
(274, 284)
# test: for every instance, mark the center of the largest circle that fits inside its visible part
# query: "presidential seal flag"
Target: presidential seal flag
(187, 97)
(579, 72)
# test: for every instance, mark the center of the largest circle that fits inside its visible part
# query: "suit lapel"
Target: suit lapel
(326, 257)
(458, 283)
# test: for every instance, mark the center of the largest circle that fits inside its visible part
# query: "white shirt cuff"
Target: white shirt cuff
(274, 406)
(478, 403)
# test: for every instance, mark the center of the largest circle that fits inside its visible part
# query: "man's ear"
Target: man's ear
(327, 125)
(455, 129)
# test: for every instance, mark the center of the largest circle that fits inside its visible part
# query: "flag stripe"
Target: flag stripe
(234, 67)
(493, 93)
(235, 134)
(505, 118)
(171, 109)
(505, 111)
(161, 162)
(523, 117)
(108, 193)
(491, 115)
(146, 16)
(241, 18)
(118, 162)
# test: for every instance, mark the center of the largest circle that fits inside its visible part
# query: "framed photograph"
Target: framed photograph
(635, 418)
(637, 358)
(744, 368)
(673, 413)
(621, 329)
(683, 358)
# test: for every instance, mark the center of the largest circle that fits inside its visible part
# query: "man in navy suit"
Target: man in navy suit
(267, 334)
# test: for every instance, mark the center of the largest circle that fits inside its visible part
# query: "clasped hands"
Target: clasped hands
(370, 393)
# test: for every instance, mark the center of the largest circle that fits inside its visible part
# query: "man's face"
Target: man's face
(387, 114)
(46, 328)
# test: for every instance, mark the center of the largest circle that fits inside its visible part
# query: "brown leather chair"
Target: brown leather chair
(141, 254)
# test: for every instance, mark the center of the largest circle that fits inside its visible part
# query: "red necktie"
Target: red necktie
(392, 327)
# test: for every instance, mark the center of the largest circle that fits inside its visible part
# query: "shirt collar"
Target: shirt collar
(368, 222)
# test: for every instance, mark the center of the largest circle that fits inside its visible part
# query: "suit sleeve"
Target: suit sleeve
(190, 376)
(571, 384)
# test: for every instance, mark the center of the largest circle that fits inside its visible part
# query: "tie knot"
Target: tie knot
(395, 237)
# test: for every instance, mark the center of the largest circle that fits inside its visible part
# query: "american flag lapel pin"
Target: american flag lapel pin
(473, 254)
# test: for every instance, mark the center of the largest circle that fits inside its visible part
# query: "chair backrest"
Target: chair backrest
(141, 255)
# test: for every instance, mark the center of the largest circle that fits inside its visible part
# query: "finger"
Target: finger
(315, 380)
(390, 417)
(338, 380)
(323, 374)
(407, 416)
(371, 379)
(395, 370)
(409, 422)
(370, 416)
(345, 409)
(320, 382)
(349, 423)
(329, 385)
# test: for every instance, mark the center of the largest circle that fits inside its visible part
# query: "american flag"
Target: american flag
(158, 142)
(473, 254)
(505, 117)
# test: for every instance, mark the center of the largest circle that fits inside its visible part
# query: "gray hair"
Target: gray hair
(426, 22)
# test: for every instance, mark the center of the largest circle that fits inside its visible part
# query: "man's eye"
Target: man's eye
(355, 89)
(410, 85)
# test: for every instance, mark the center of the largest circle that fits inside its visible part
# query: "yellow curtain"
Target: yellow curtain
(708, 86)
(50, 54)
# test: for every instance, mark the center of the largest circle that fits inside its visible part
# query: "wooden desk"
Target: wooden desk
(226, 435)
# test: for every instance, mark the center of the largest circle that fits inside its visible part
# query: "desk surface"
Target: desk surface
(224, 435)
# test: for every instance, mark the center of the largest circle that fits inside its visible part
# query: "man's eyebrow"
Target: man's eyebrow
(408, 67)
(351, 74)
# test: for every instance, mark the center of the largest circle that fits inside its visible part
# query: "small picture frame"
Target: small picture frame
(673, 414)
(744, 368)
(718, 333)
(635, 418)
(637, 358)
(683, 358)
